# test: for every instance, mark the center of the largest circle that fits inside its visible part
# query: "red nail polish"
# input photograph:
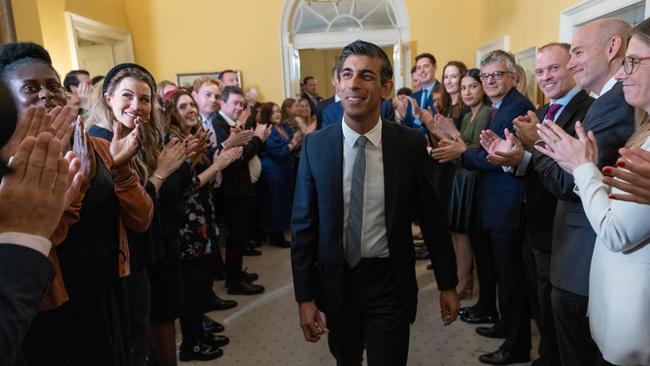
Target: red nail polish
(610, 196)
(607, 170)
(621, 163)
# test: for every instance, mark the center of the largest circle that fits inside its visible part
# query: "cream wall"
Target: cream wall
(173, 36)
(528, 23)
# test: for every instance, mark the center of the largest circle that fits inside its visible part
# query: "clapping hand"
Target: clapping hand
(448, 150)
(238, 137)
(84, 92)
(222, 159)
(42, 185)
(567, 151)
(122, 149)
(526, 129)
(170, 158)
(502, 152)
(83, 150)
(400, 103)
(263, 131)
(631, 175)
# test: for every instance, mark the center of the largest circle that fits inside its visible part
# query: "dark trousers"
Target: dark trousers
(371, 317)
(572, 326)
(548, 350)
(197, 283)
(513, 303)
(139, 289)
(238, 210)
(486, 273)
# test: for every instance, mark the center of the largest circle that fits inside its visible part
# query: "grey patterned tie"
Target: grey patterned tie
(355, 209)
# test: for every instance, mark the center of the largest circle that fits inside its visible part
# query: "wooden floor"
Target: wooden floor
(264, 329)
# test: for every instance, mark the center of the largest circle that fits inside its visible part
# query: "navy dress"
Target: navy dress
(276, 184)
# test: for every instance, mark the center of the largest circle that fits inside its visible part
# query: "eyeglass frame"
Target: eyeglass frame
(497, 75)
(636, 62)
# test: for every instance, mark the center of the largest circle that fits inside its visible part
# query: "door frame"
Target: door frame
(94, 30)
(398, 38)
(588, 10)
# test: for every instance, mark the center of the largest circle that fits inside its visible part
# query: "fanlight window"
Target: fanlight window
(316, 16)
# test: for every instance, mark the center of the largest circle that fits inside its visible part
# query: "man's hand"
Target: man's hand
(566, 150)
(311, 322)
(633, 175)
(238, 138)
(400, 103)
(84, 92)
(508, 152)
(245, 114)
(449, 305)
(526, 129)
(263, 131)
(33, 197)
(222, 159)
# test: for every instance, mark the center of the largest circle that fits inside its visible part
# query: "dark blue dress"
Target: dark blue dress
(276, 184)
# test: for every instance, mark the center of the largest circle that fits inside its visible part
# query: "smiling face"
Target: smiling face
(589, 62)
(471, 91)
(276, 115)
(497, 89)
(303, 109)
(186, 111)
(130, 99)
(451, 79)
(233, 106)
(230, 79)
(361, 88)
(636, 87)
(207, 99)
(426, 70)
(551, 72)
(36, 84)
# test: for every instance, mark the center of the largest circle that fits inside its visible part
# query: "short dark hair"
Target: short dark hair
(404, 91)
(14, 54)
(431, 58)
(225, 93)
(306, 79)
(226, 71)
(96, 79)
(364, 48)
(71, 78)
(414, 69)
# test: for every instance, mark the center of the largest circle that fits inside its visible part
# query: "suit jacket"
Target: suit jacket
(312, 105)
(236, 177)
(334, 113)
(320, 108)
(25, 274)
(540, 203)
(409, 118)
(612, 121)
(500, 193)
(317, 218)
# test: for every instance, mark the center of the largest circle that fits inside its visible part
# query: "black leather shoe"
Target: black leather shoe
(200, 352)
(210, 326)
(217, 303)
(466, 309)
(478, 317)
(503, 357)
(255, 243)
(213, 340)
(491, 332)
(249, 276)
(251, 252)
(245, 288)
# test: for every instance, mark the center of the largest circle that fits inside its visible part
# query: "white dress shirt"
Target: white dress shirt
(374, 242)
(37, 243)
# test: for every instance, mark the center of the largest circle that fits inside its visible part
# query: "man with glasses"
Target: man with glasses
(596, 54)
(500, 202)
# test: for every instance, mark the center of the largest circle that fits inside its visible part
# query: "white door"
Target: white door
(97, 59)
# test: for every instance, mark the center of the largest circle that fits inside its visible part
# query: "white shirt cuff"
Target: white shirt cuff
(38, 243)
(523, 165)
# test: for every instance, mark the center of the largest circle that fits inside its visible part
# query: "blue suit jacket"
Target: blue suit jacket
(320, 108)
(334, 113)
(409, 119)
(499, 192)
(317, 218)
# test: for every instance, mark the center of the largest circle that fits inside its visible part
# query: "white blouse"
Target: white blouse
(619, 281)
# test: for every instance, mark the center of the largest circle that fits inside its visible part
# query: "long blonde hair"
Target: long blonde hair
(100, 114)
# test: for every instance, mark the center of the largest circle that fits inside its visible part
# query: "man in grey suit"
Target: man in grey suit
(596, 54)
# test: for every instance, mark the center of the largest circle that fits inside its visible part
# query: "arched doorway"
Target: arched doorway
(331, 24)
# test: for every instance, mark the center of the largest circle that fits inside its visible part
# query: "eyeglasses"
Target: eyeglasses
(631, 63)
(497, 75)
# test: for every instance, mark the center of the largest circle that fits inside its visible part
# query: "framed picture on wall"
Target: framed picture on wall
(186, 80)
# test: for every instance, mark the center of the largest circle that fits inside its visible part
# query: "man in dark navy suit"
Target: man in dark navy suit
(352, 255)
(425, 67)
(500, 202)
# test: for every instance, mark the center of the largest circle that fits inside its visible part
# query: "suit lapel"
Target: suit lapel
(570, 110)
(334, 160)
(391, 154)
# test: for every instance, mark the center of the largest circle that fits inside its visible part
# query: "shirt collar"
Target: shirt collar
(566, 98)
(608, 85)
(336, 98)
(350, 136)
(429, 86)
(228, 119)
